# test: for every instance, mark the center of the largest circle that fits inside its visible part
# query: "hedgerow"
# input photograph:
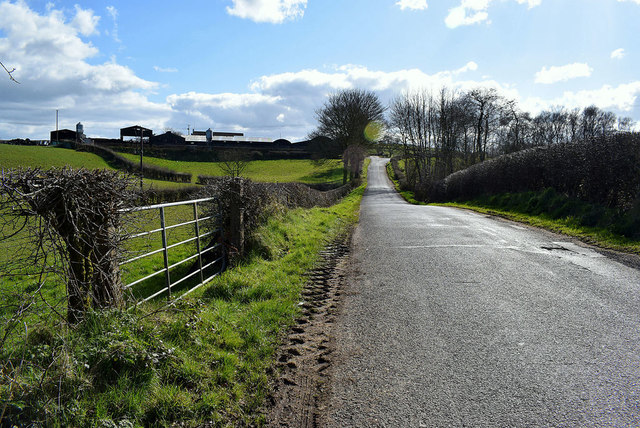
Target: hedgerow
(603, 171)
(153, 172)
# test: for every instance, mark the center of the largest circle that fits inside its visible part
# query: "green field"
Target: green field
(300, 170)
(55, 157)
(47, 157)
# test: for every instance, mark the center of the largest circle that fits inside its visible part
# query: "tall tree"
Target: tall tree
(352, 117)
(487, 108)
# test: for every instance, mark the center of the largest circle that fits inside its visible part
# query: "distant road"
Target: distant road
(453, 318)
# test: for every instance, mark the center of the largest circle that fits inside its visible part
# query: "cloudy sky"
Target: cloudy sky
(263, 67)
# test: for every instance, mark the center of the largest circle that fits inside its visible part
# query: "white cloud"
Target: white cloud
(618, 53)
(633, 1)
(467, 13)
(85, 21)
(530, 3)
(272, 11)
(622, 98)
(52, 65)
(113, 12)
(285, 103)
(563, 73)
(165, 69)
(470, 66)
(470, 12)
(412, 4)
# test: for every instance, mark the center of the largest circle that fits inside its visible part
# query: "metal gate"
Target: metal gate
(170, 282)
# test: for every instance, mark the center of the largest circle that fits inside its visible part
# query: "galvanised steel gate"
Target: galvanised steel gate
(169, 283)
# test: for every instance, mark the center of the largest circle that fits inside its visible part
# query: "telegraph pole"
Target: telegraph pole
(141, 175)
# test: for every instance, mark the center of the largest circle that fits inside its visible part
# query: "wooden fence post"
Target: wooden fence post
(236, 213)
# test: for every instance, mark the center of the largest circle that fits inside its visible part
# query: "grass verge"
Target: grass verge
(204, 360)
(408, 195)
(569, 216)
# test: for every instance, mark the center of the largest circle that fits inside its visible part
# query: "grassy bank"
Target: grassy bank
(408, 195)
(552, 211)
(205, 360)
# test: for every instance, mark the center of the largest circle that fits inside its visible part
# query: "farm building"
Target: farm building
(136, 131)
(208, 141)
(69, 136)
(167, 139)
(63, 135)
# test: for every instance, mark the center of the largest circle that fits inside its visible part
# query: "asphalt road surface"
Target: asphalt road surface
(452, 318)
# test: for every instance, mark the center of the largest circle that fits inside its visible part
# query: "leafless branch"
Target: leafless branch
(9, 72)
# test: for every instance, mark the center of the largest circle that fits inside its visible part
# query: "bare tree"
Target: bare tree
(452, 130)
(606, 123)
(410, 117)
(589, 122)
(9, 72)
(486, 103)
(234, 162)
(625, 124)
(344, 118)
(515, 128)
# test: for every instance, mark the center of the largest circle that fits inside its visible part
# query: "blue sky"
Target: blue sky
(263, 67)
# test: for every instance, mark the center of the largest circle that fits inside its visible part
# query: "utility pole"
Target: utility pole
(57, 132)
(141, 149)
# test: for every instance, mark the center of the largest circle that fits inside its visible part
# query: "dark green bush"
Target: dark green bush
(603, 171)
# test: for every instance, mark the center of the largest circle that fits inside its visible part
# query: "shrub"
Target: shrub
(604, 171)
(244, 204)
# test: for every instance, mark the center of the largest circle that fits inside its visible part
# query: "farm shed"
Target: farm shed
(66, 135)
(135, 132)
(167, 139)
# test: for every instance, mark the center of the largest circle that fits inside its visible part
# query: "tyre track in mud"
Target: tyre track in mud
(304, 361)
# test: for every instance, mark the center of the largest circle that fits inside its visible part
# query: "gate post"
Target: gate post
(236, 220)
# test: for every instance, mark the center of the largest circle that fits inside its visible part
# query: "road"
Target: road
(452, 318)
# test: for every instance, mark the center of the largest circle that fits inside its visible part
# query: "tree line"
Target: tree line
(451, 130)
(442, 132)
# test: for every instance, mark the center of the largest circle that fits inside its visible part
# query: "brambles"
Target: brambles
(244, 204)
(71, 220)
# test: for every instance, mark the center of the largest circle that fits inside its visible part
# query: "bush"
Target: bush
(253, 202)
(605, 171)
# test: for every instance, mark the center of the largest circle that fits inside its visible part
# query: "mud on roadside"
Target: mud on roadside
(303, 365)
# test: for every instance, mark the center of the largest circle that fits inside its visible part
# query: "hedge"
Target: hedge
(603, 171)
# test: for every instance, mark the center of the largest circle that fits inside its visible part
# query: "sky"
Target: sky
(263, 67)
